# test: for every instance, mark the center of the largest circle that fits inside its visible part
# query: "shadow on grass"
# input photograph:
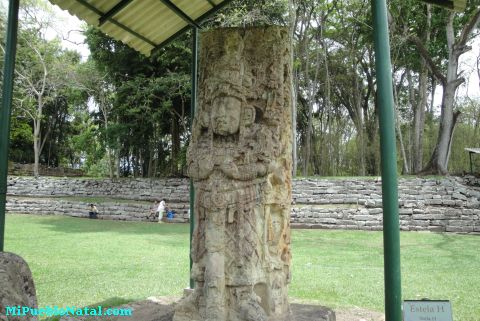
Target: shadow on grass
(448, 245)
(70, 225)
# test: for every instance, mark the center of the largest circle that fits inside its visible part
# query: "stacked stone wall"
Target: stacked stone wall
(17, 169)
(175, 190)
(123, 199)
(443, 205)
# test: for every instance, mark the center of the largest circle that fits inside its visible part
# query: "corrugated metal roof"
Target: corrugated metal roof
(143, 25)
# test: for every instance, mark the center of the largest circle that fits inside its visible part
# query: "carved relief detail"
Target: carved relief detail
(240, 161)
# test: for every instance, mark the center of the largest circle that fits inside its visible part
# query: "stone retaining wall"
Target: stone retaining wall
(107, 210)
(425, 204)
(175, 190)
(18, 169)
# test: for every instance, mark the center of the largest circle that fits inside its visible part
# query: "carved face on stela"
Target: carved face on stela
(226, 113)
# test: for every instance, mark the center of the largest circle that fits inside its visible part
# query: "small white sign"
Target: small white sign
(426, 310)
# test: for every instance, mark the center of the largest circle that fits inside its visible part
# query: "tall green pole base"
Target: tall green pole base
(391, 226)
(6, 111)
(192, 115)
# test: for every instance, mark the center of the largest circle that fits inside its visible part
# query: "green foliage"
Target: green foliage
(45, 91)
(98, 167)
(243, 13)
(20, 139)
(150, 103)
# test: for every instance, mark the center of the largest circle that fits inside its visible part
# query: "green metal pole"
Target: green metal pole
(391, 226)
(192, 114)
(5, 113)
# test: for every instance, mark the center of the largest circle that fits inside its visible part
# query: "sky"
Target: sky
(69, 30)
(468, 62)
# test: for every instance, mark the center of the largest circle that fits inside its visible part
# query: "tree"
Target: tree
(44, 74)
(95, 83)
(457, 38)
(147, 118)
(309, 54)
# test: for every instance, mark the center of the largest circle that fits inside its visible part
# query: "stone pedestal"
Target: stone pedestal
(240, 161)
(16, 288)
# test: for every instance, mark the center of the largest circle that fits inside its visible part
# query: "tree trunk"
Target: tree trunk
(175, 144)
(36, 152)
(439, 160)
(456, 114)
(361, 146)
(294, 135)
(398, 130)
(292, 11)
(419, 119)
(359, 121)
(420, 104)
(37, 141)
(308, 142)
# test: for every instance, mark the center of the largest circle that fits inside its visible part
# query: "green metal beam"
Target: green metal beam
(5, 113)
(193, 102)
(391, 226)
(112, 12)
(198, 20)
(180, 13)
(211, 3)
(115, 22)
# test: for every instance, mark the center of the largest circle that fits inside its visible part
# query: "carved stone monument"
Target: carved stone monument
(17, 288)
(240, 160)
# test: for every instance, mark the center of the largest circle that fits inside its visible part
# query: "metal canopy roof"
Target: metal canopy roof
(144, 25)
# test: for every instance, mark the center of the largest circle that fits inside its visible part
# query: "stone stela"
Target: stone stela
(240, 161)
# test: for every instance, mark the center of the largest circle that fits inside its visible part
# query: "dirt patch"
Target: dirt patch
(162, 309)
(151, 309)
(358, 314)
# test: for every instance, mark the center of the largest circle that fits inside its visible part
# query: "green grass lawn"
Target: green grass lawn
(79, 262)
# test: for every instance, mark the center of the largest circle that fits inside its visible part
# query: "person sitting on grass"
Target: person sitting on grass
(153, 212)
(93, 211)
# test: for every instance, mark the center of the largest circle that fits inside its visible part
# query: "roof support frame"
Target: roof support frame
(199, 20)
(112, 12)
(211, 3)
(181, 14)
(115, 22)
